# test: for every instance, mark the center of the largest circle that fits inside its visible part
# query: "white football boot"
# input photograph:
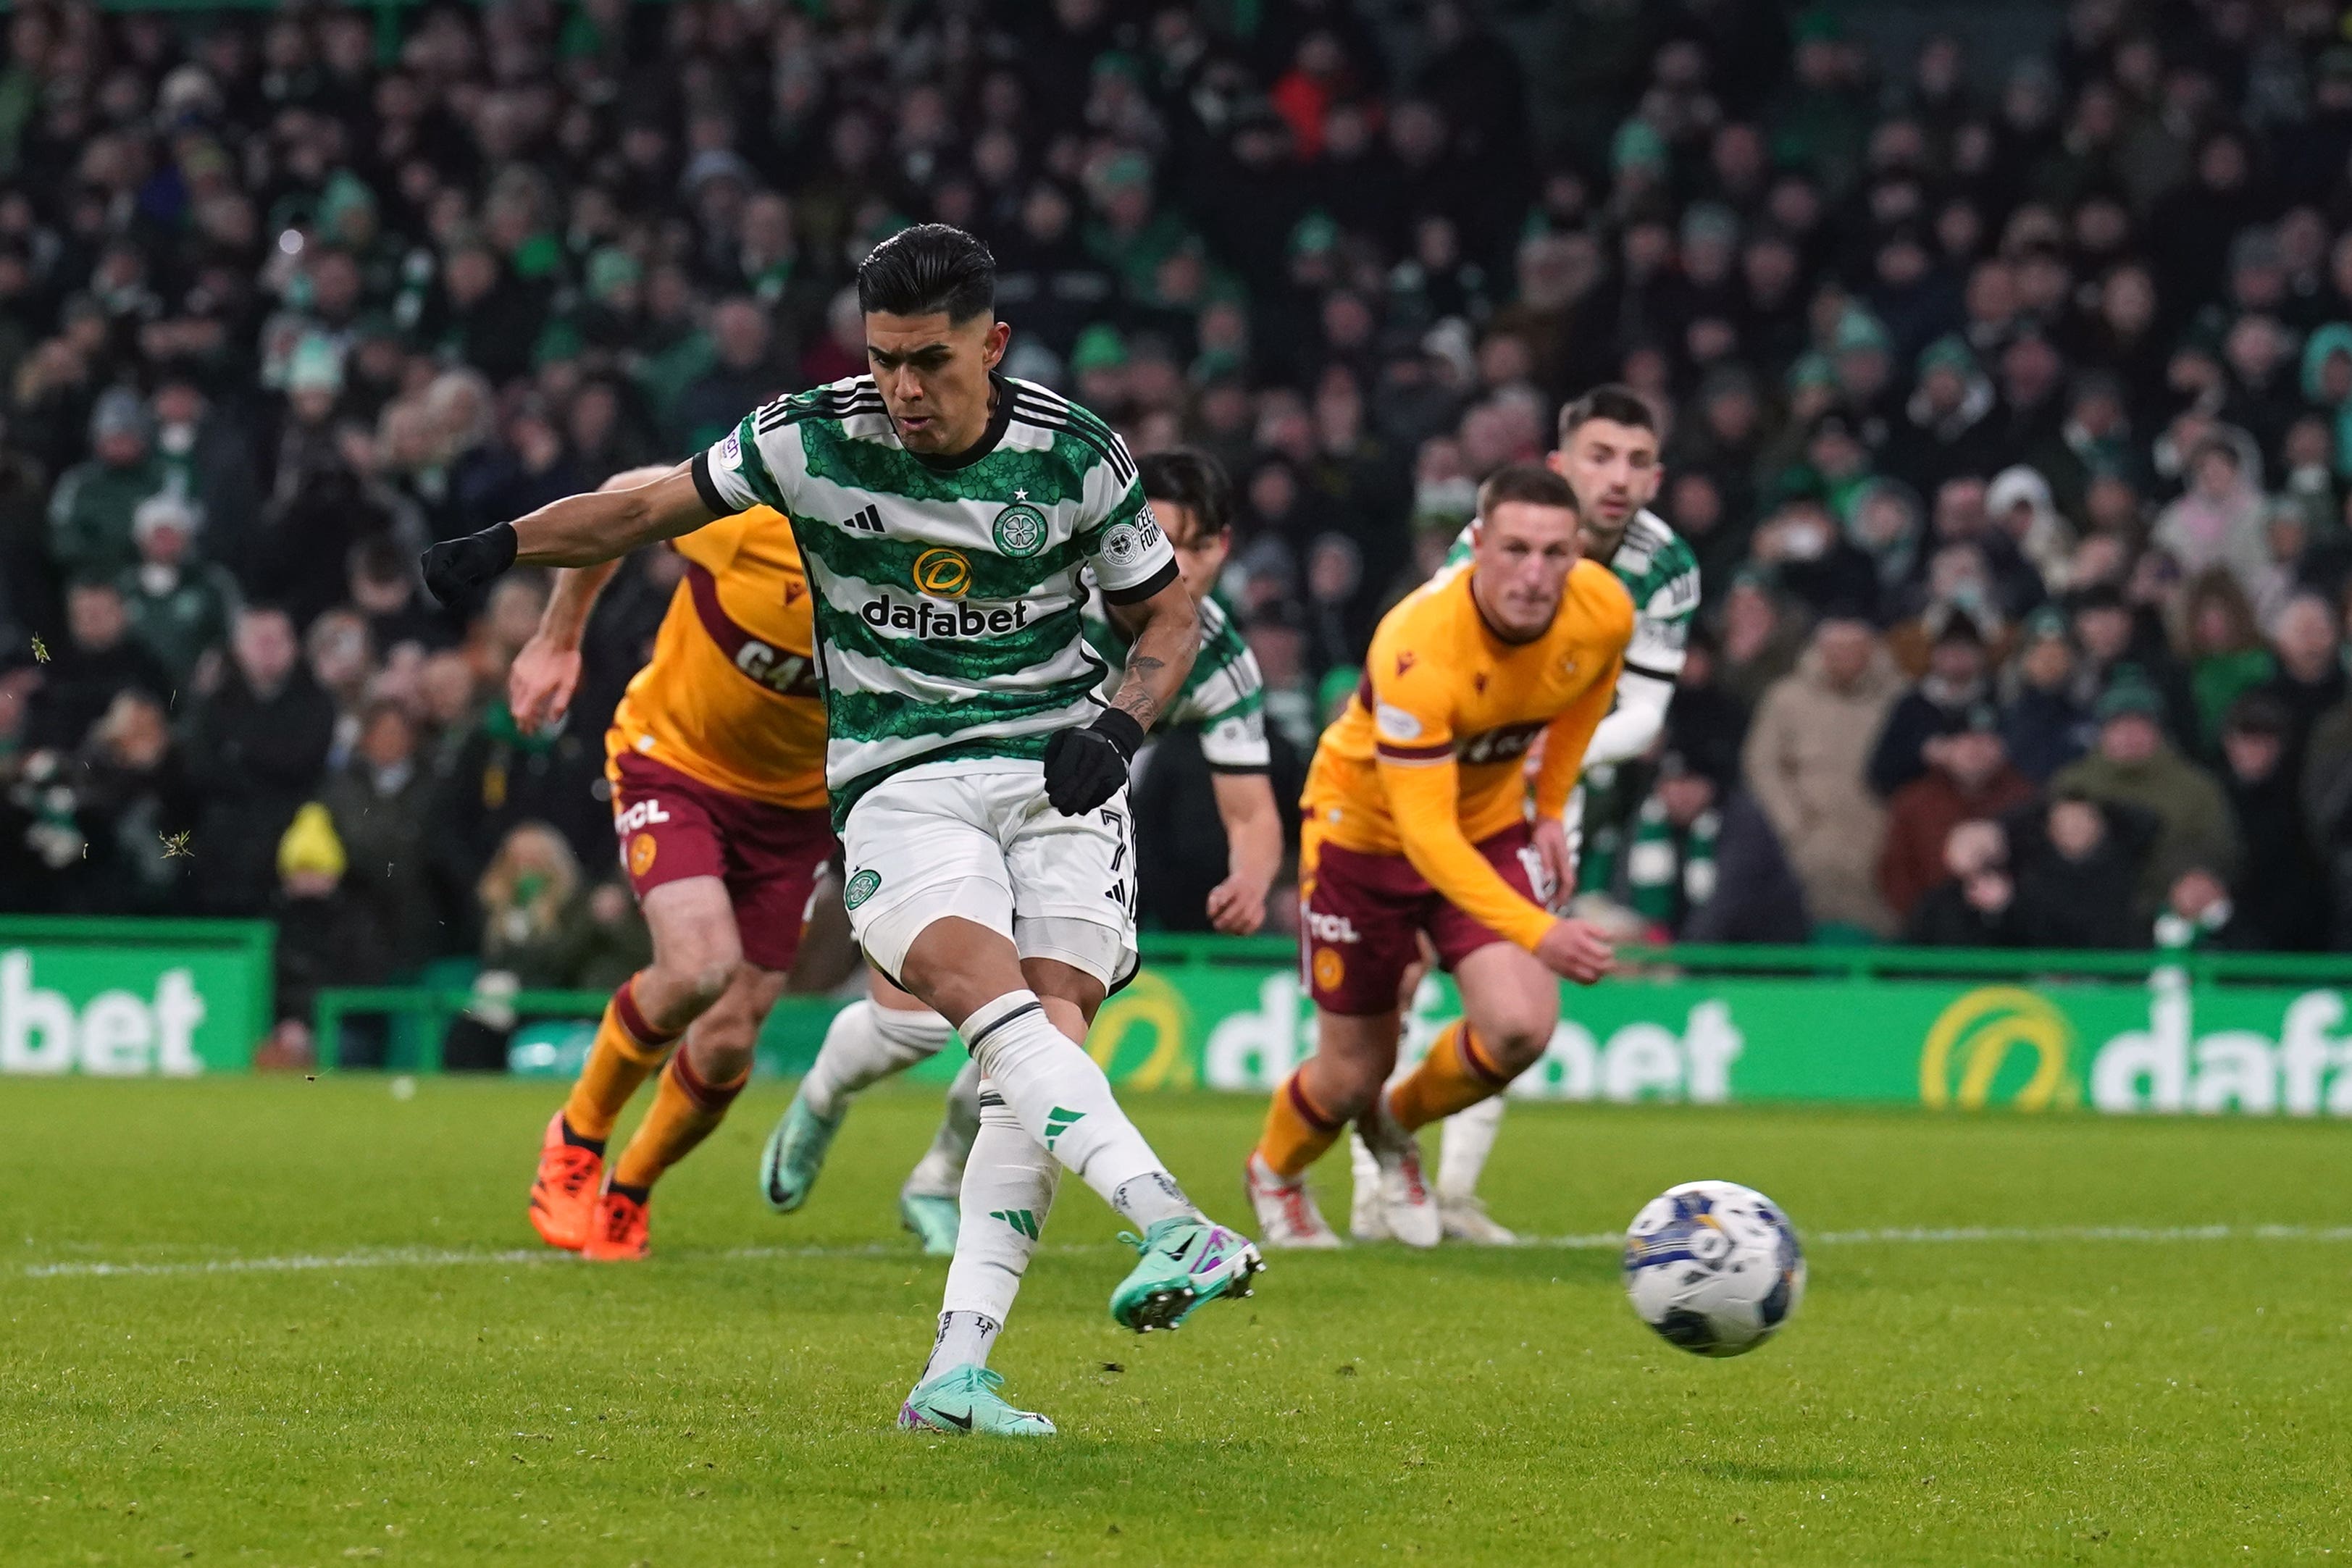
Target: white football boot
(1286, 1215)
(1467, 1219)
(1405, 1200)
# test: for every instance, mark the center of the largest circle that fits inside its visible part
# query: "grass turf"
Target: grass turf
(405, 1391)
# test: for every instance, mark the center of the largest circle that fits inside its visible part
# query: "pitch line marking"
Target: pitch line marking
(446, 1258)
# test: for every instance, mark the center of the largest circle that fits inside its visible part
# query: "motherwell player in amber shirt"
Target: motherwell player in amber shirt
(1416, 826)
(716, 756)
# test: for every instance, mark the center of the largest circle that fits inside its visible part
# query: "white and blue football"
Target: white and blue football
(1714, 1267)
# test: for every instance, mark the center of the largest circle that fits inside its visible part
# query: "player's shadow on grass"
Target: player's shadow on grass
(1741, 1471)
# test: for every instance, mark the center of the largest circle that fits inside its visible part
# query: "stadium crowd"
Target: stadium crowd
(2008, 406)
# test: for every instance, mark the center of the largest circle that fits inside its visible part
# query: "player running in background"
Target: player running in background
(716, 756)
(1224, 698)
(979, 784)
(1609, 456)
(1416, 825)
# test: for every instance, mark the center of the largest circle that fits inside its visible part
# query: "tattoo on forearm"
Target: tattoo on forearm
(1135, 693)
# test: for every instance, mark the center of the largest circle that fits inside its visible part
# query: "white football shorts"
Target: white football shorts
(979, 840)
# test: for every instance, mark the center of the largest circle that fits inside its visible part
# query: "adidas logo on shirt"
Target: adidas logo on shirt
(865, 521)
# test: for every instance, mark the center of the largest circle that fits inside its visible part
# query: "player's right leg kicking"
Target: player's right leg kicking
(868, 1040)
(1011, 920)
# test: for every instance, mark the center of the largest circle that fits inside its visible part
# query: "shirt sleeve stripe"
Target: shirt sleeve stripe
(707, 489)
(1144, 590)
(1391, 752)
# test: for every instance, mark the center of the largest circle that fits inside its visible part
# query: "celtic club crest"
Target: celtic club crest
(1020, 530)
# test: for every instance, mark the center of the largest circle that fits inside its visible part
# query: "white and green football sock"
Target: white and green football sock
(1064, 1101)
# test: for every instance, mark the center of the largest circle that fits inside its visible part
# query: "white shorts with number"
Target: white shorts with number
(979, 840)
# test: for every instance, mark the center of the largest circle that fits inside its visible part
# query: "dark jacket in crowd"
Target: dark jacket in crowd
(2085, 903)
(1756, 896)
(382, 819)
(78, 684)
(257, 758)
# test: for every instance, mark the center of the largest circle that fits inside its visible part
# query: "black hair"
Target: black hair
(1531, 483)
(1193, 480)
(1612, 401)
(928, 270)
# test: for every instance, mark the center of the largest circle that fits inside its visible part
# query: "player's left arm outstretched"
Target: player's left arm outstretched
(546, 670)
(578, 530)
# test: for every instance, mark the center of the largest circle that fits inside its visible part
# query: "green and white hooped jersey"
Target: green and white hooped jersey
(1223, 697)
(949, 596)
(1661, 574)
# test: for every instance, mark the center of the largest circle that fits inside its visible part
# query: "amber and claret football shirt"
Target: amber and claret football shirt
(731, 696)
(1426, 759)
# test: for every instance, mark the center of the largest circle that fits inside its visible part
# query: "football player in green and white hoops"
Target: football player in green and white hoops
(1609, 456)
(949, 515)
(1223, 699)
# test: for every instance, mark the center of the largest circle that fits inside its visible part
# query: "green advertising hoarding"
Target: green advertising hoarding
(129, 998)
(2166, 1044)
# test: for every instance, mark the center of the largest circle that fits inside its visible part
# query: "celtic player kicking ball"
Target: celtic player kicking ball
(1223, 701)
(979, 785)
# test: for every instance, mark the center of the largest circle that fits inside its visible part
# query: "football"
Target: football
(1714, 1267)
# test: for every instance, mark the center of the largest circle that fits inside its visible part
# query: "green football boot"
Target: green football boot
(934, 1220)
(962, 1401)
(1185, 1262)
(794, 1155)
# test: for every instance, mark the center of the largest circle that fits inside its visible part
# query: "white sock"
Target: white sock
(1064, 1101)
(1469, 1139)
(939, 1173)
(964, 1339)
(1008, 1190)
(864, 1045)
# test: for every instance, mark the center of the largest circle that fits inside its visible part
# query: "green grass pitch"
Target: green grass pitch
(289, 1323)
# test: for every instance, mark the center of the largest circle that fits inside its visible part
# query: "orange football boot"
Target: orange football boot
(564, 1194)
(620, 1230)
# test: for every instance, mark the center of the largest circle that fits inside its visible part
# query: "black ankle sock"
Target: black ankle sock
(636, 1195)
(593, 1146)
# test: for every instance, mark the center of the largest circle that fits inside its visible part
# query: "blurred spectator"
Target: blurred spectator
(259, 749)
(1762, 638)
(179, 604)
(1699, 865)
(2225, 651)
(2078, 862)
(2310, 674)
(2219, 522)
(134, 807)
(2198, 912)
(91, 510)
(81, 680)
(1805, 758)
(377, 800)
(2135, 764)
(2043, 721)
(543, 928)
(2278, 891)
(1974, 902)
(1947, 696)
(324, 937)
(1968, 778)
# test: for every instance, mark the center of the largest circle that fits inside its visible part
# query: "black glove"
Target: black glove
(454, 568)
(1084, 768)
